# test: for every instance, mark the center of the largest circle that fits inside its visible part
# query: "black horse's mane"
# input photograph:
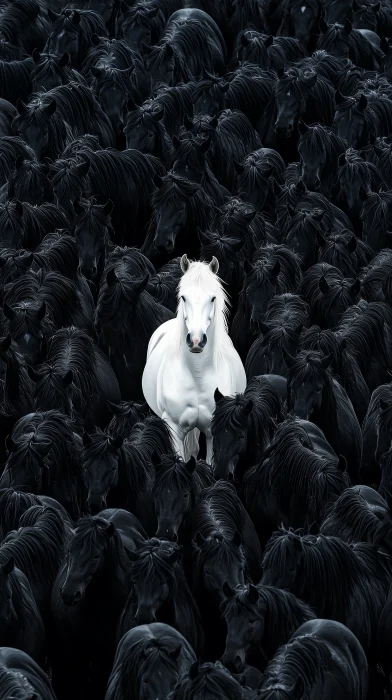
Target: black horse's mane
(212, 681)
(38, 546)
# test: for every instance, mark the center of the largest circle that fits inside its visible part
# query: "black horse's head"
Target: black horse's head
(350, 121)
(282, 559)
(155, 569)
(173, 493)
(69, 183)
(112, 87)
(86, 557)
(24, 323)
(308, 379)
(229, 427)
(100, 458)
(291, 94)
(171, 205)
(30, 182)
(220, 560)
(244, 622)
(160, 64)
(93, 232)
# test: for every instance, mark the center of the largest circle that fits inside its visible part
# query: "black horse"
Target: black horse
(259, 619)
(149, 660)
(89, 593)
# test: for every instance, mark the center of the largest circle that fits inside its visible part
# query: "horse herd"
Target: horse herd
(195, 350)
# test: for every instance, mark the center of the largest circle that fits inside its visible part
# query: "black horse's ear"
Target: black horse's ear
(5, 343)
(169, 51)
(199, 539)
(50, 108)
(175, 653)
(8, 311)
(19, 207)
(77, 208)
(289, 359)
(174, 556)
(268, 41)
(342, 463)
(248, 267)
(347, 26)
(146, 48)
(237, 539)
(253, 594)
(9, 443)
(323, 26)
(339, 98)
(194, 671)
(20, 106)
(110, 529)
(64, 60)
(41, 312)
(33, 375)
(131, 105)
(114, 408)
(53, 16)
(218, 396)
(75, 18)
(132, 556)
(263, 327)
(247, 410)
(111, 277)
(67, 379)
(228, 591)
(238, 167)
(83, 168)
(276, 269)
(158, 181)
(188, 123)
(86, 439)
(116, 442)
(190, 465)
(158, 114)
(323, 285)
(8, 567)
(362, 102)
(108, 207)
(342, 159)
(355, 288)
(326, 361)
(96, 71)
(156, 461)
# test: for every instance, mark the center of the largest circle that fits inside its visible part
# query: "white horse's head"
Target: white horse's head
(201, 300)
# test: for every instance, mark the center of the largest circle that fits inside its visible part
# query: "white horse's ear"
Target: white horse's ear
(184, 263)
(214, 265)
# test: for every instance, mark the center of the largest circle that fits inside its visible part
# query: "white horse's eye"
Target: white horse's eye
(183, 298)
(213, 299)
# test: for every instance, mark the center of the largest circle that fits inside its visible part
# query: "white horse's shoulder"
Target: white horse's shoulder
(160, 333)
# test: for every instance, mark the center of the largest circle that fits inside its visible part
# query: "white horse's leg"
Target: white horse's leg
(177, 438)
(209, 444)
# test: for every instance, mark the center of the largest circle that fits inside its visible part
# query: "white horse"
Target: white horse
(190, 356)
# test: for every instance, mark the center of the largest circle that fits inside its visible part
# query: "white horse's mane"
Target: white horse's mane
(199, 274)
